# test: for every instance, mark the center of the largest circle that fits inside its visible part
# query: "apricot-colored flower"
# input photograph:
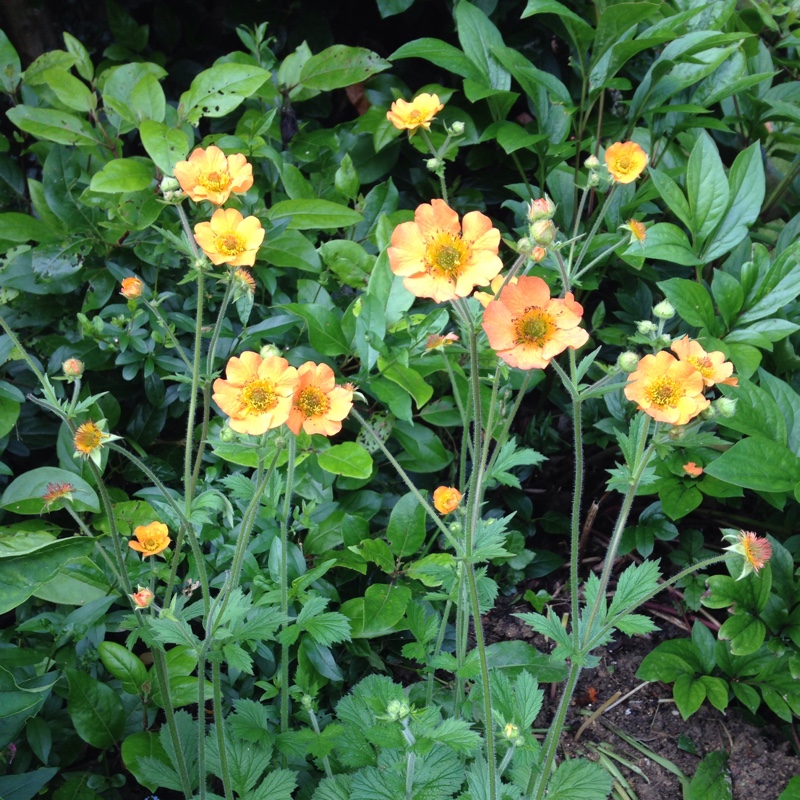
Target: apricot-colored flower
(692, 469)
(712, 366)
(131, 287)
(756, 550)
(667, 389)
(527, 327)
(90, 438)
(419, 113)
(636, 229)
(446, 499)
(440, 258)
(142, 597)
(319, 405)
(625, 161)
(256, 393)
(57, 491)
(151, 539)
(209, 175)
(484, 298)
(438, 340)
(229, 238)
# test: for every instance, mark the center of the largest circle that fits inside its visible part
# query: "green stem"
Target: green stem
(86, 532)
(462, 638)
(503, 437)
(44, 381)
(168, 330)
(219, 725)
(438, 646)
(287, 510)
(577, 429)
(593, 231)
(315, 725)
(188, 483)
(577, 226)
(562, 267)
(594, 261)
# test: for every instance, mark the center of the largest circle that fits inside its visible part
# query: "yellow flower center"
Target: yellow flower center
(446, 254)
(215, 181)
(152, 543)
(88, 438)
(702, 364)
(259, 397)
(534, 327)
(230, 243)
(664, 392)
(312, 402)
(624, 163)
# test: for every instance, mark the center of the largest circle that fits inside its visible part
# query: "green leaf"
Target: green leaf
(376, 614)
(706, 187)
(388, 8)
(313, 214)
(569, 18)
(25, 785)
(278, 784)
(166, 146)
(579, 779)
(691, 301)
(728, 295)
(778, 287)
(24, 494)
(349, 459)
(406, 530)
(54, 126)
(83, 64)
(69, 90)
(665, 242)
(124, 665)
(689, 694)
(291, 249)
(758, 463)
(746, 633)
(328, 628)
(441, 54)
(324, 328)
(139, 750)
(712, 780)
(123, 175)
(17, 227)
(76, 582)
(671, 194)
(95, 709)
(716, 691)
(339, 66)
(408, 379)
(478, 36)
(9, 65)
(424, 451)
(131, 94)
(217, 91)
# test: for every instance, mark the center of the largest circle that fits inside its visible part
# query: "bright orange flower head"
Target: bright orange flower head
(637, 230)
(209, 175)
(419, 113)
(150, 539)
(755, 550)
(692, 469)
(256, 393)
(484, 298)
(446, 499)
(131, 287)
(436, 340)
(527, 327)
(440, 258)
(230, 238)
(712, 366)
(90, 438)
(625, 161)
(319, 405)
(667, 389)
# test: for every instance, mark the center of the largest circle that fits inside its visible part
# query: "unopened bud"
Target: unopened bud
(593, 180)
(131, 287)
(269, 351)
(725, 406)
(457, 128)
(227, 435)
(143, 597)
(665, 340)
(709, 412)
(543, 232)
(456, 528)
(628, 361)
(511, 731)
(537, 254)
(307, 701)
(73, 369)
(645, 327)
(434, 164)
(397, 710)
(591, 162)
(543, 208)
(168, 185)
(664, 310)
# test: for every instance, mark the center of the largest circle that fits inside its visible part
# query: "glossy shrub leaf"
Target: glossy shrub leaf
(217, 91)
(691, 301)
(54, 126)
(291, 249)
(324, 328)
(712, 779)
(406, 530)
(123, 175)
(123, 665)
(77, 582)
(665, 242)
(478, 37)
(24, 494)
(689, 694)
(166, 146)
(706, 187)
(25, 785)
(758, 463)
(441, 54)
(746, 633)
(349, 459)
(95, 709)
(20, 703)
(313, 214)
(339, 66)
(376, 614)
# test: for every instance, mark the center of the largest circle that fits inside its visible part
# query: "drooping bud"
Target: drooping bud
(73, 369)
(227, 435)
(628, 361)
(537, 254)
(664, 310)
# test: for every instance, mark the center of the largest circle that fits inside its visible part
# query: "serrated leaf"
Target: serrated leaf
(579, 779)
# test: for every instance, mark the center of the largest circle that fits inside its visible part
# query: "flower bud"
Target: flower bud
(456, 528)
(708, 413)
(725, 407)
(511, 731)
(433, 164)
(543, 208)
(591, 163)
(143, 597)
(226, 434)
(665, 340)
(525, 245)
(593, 180)
(307, 701)
(457, 128)
(397, 710)
(543, 232)
(269, 351)
(169, 184)
(664, 310)
(537, 254)
(73, 369)
(646, 327)
(131, 288)
(628, 361)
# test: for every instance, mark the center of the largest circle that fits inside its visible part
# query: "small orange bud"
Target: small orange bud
(143, 597)
(73, 369)
(446, 499)
(131, 288)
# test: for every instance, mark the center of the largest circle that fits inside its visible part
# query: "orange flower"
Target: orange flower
(209, 175)
(446, 499)
(756, 550)
(230, 238)
(484, 298)
(637, 230)
(692, 469)
(419, 113)
(152, 539)
(131, 287)
(245, 282)
(57, 491)
(142, 598)
(438, 340)
(625, 161)
(257, 392)
(89, 440)
(442, 259)
(319, 405)
(527, 327)
(712, 366)
(667, 389)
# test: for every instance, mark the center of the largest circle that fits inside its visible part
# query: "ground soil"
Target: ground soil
(761, 761)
